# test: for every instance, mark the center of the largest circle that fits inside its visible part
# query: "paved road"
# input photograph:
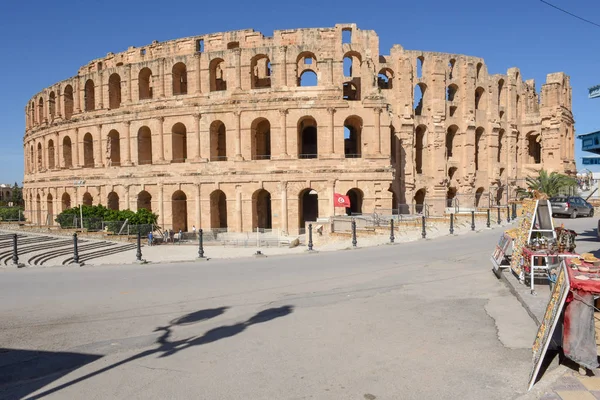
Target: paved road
(423, 320)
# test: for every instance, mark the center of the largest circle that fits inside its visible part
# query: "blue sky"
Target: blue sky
(44, 42)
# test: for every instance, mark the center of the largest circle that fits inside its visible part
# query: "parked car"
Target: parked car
(572, 206)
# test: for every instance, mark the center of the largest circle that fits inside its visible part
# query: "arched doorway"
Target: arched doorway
(309, 206)
(179, 207)
(65, 201)
(50, 208)
(38, 211)
(307, 138)
(450, 196)
(261, 210)
(113, 201)
(144, 146)
(144, 201)
(113, 149)
(419, 200)
(87, 199)
(356, 199)
(179, 142)
(352, 137)
(67, 152)
(218, 210)
(218, 141)
(261, 139)
(88, 150)
(478, 195)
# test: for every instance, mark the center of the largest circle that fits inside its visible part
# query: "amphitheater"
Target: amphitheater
(240, 131)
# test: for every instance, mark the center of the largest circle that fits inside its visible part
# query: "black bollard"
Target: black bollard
(75, 250)
(423, 230)
(488, 218)
(200, 244)
(353, 233)
(310, 243)
(514, 211)
(452, 224)
(15, 256)
(507, 215)
(138, 255)
(392, 230)
(472, 220)
(499, 219)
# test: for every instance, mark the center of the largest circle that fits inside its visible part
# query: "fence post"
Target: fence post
(452, 223)
(487, 224)
(15, 255)
(499, 219)
(472, 220)
(138, 254)
(200, 244)
(353, 233)
(310, 243)
(514, 211)
(75, 250)
(423, 230)
(392, 230)
(507, 215)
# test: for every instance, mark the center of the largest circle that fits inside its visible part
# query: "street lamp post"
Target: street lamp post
(79, 184)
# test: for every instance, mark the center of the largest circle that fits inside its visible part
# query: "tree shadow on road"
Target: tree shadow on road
(168, 348)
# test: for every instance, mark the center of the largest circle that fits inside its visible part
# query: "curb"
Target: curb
(520, 298)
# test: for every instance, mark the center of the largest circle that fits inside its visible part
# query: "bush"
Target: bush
(93, 216)
(11, 214)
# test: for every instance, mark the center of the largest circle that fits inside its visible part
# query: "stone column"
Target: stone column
(284, 208)
(283, 124)
(127, 147)
(198, 208)
(238, 136)
(77, 96)
(58, 104)
(377, 112)
(161, 147)
(161, 205)
(331, 112)
(100, 92)
(238, 61)
(75, 149)
(283, 67)
(57, 160)
(127, 205)
(161, 69)
(238, 206)
(197, 156)
(98, 159)
(198, 73)
(129, 83)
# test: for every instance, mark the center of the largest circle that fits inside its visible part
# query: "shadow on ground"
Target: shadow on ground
(31, 370)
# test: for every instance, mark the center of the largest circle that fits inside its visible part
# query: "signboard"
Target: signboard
(500, 251)
(529, 206)
(551, 317)
(594, 92)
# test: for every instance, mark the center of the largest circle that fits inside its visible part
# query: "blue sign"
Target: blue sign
(594, 92)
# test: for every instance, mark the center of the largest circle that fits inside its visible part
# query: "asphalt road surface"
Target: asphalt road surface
(423, 320)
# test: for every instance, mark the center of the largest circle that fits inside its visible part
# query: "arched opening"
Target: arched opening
(308, 78)
(261, 210)
(352, 137)
(87, 200)
(52, 105)
(41, 115)
(179, 77)
(451, 65)
(385, 79)
(145, 84)
(50, 209)
(517, 149)
(501, 101)
(501, 139)
(479, 98)
(65, 201)
(356, 199)
(479, 66)
(478, 195)
(218, 141)
(113, 201)
(32, 160)
(420, 143)
(67, 152)
(420, 61)
(114, 91)
(144, 146)
(113, 149)
(89, 96)
(88, 150)
(261, 72)
(451, 92)
(307, 138)
(38, 209)
(218, 210)
(350, 91)
(51, 161)
(68, 101)
(144, 201)
(179, 207)
(498, 197)
(452, 172)
(450, 196)
(478, 142)
(534, 148)
(179, 142)
(419, 98)
(308, 207)
(450, 135)
(261, 139)
(217, 75)
(40, 157)
(419, 200)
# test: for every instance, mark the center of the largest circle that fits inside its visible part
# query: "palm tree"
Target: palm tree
(551, 184)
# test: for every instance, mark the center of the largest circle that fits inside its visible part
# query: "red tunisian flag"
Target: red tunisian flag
(339, 200)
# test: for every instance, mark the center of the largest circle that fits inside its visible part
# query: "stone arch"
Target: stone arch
(480, 98)
(41, 111)
(51, 152)
(479, 67)
(450, 196)
(179, 78)
(353, 136)
(32, 160)
(89, 95)
(112, 201)
(145, 83)
(260, 67)
(88, 150)
(452, 92)
(179, 211)
(261, 139)
(306, 61)
(52, 105)
(179, 142)
(218, 210)
(113, 148)
(479, 140)
(420, 145)
(218, 141)
(308, 207)
(352, 59)
(87, 199)
(261, 210)
(534, 148)
(65, 201)
(217, 75)
(451, 65)
(308, 78)
(144, 201)
(419, 97)
(419, 200)
(68, 101)
(114, 91)
(450, 136)
(50, 209)
(385, 79)
(419, 67)
(307, 137)
(356, 197)
(40, 157)
(350, 91)
(67, 148)
(144, 142)
(478, 195)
